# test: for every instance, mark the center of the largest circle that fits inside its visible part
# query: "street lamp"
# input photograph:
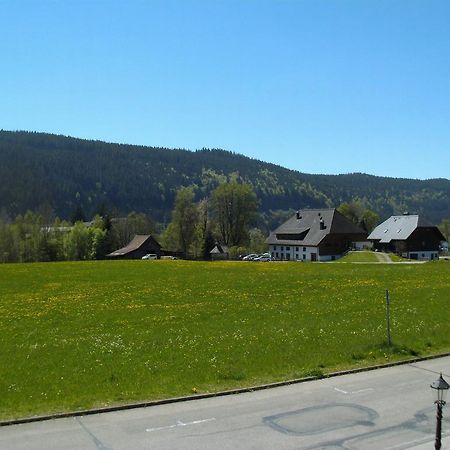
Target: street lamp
(441, 387)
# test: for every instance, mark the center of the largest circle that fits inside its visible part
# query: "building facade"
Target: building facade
(314, 235)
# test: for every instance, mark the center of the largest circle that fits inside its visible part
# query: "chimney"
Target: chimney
(322, 224)
(298, 215)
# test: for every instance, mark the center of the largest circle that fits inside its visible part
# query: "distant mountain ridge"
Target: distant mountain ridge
(63, 172)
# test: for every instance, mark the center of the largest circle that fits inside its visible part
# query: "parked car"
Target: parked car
(250, 257)
(150, 256)
(263, 258)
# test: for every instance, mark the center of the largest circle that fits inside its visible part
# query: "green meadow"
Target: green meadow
(76, 335)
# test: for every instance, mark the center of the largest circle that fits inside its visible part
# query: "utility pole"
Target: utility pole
(388, 316)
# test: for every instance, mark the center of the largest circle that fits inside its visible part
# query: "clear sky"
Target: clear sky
(320, 86)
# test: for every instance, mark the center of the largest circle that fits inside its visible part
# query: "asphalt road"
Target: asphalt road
(385, 409)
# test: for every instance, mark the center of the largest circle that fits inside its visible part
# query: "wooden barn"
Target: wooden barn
(140, 245)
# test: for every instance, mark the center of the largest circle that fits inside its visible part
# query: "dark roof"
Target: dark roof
(219, 249)
(304, 228)
(399, 228)
(138, 241)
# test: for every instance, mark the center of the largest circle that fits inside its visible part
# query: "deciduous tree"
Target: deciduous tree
(234, 206)
(359, 215)
(184, 219)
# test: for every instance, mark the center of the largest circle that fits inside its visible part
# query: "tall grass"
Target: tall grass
(78, 335)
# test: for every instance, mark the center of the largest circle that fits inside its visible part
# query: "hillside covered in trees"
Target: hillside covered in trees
(64, 174)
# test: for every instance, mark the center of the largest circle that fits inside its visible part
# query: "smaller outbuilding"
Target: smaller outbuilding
(409, 236)
(219, 253)
(140, 245)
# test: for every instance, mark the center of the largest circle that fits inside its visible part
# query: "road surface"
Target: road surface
(385, 409)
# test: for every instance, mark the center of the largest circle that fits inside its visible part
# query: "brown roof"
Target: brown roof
(135, 244)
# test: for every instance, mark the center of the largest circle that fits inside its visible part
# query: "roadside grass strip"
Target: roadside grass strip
(79, 335)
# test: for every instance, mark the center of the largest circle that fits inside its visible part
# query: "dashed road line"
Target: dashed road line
(353, 392)
(179, 423)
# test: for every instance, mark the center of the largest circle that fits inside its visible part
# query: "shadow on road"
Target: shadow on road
(328, 419)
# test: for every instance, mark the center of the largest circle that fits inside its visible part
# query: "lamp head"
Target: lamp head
(441, 387)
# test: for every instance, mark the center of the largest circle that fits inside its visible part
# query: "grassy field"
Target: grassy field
(78, 335)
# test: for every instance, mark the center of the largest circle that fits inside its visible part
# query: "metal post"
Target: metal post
(437, 442)
(388, 316)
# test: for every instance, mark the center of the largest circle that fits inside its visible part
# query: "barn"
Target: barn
(139, 246)
(409, 236)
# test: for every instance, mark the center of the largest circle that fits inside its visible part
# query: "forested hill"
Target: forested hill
(38, 169)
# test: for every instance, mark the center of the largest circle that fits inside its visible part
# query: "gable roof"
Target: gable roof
(219, 249)
(304, 228)
(398, 228)
(138, 241)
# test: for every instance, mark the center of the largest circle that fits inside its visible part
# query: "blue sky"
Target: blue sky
(316, 86)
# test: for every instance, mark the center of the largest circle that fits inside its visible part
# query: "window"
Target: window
(296, 256)
(282, 248)
(274, 247)
(304, 249)
(304, 256)
(288, 248)
(296, 249)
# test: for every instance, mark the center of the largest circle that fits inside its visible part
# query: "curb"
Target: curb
(167, 401)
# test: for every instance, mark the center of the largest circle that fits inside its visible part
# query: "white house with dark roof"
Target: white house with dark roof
(409, 236)
(314, 235)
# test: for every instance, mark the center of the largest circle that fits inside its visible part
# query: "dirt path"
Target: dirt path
(383, 257)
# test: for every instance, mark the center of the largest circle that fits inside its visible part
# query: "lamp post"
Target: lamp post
(441, 387)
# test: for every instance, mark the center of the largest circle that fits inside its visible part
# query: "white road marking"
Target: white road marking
(179, 424)
(352, 392)
(362, 390)
(341, 391)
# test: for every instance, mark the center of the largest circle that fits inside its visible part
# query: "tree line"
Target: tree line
(33, 237)
(228, 216)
